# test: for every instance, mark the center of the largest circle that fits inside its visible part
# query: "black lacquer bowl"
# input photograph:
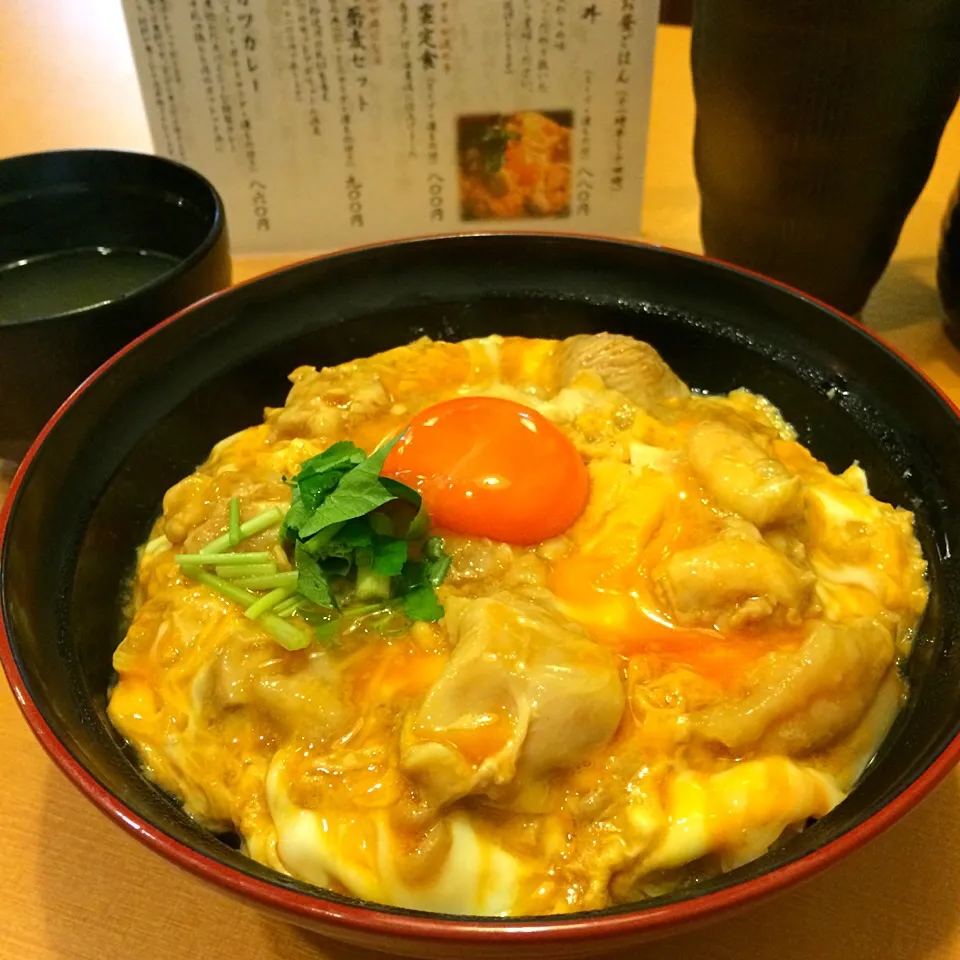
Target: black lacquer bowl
(68, 200)
(89, 489)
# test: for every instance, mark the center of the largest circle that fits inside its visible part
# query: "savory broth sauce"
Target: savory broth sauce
(55, 283)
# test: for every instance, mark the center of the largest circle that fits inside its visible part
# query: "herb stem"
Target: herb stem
(243, 570)
(270, 581)
(249, 528)
(222, 559)
(268, 601)
(234, 536)
(288, 607)
(363, 609)
(225, 588)
(370, 585)
(286, 634)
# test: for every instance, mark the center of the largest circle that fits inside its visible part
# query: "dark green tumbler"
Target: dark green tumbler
(817, 124)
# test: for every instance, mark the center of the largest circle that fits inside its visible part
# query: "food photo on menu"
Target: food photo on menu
(454, 513)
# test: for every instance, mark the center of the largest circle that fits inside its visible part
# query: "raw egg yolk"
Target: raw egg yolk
(491, 468)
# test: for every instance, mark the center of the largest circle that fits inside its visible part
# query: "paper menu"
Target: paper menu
(331, 123)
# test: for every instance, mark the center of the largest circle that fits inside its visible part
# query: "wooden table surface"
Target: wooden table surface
(75, 887)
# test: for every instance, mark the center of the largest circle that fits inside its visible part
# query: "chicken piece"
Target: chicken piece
(307, 413)
(254, 499)
(187, 505)
(525, 692)
(732, 581)
(740, 475)
(321, 402)
(207, 697)
(248, 674)
(477, 561)
(628, 366)
(798, 701)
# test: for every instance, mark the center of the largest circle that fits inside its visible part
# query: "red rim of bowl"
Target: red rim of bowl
(371, 921)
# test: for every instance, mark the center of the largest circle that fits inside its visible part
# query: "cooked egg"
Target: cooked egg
(363, 854)
(670, 635)
(738, 813)
(492, 468)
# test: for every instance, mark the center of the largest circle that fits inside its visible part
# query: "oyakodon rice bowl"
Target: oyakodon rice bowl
(514, 627)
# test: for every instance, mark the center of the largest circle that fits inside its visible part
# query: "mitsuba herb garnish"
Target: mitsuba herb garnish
(360, 544)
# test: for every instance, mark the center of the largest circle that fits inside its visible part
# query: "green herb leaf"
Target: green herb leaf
(320, 475)
(332, 548)
(381, 524)
(315, 487)
(389, 556)
(334, 556)
(437, 562)
(325, 627)
(337, 527)
(359, 491)
(296, 517)
(326, 630)
(401, 491)
(421, 603)
(337, 566)
(419, 525)
(341, 455)
(320, 544)
(311, 581)
(356, 533)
